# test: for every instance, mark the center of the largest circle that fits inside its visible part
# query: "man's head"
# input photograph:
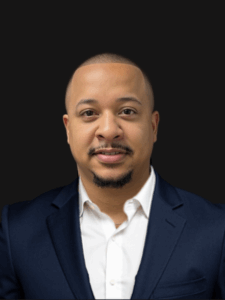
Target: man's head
(110, 121)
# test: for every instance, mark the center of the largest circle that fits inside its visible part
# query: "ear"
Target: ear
(155, 124)
(66, 124)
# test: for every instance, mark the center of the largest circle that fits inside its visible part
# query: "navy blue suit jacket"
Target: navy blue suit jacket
(41, 255)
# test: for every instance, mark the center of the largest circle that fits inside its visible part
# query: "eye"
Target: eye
(134, 112)
(87, 111)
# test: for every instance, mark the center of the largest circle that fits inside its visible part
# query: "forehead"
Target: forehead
(107, 75)
(109, 68)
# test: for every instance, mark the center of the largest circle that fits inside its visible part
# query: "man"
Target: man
(119, 231)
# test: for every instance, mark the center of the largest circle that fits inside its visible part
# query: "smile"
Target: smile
(110, 158)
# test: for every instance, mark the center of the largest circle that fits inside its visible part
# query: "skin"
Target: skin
(109, 126)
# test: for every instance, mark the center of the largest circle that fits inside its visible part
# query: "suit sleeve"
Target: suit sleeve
(9, 285)
(219, 291)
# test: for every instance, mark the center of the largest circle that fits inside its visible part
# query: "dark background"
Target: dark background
(181, 47)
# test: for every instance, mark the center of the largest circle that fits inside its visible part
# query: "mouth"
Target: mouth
(110, 158)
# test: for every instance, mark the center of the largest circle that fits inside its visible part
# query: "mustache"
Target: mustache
(114, 146)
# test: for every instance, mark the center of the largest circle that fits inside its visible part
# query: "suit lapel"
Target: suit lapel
(164, 230)
(64, 228)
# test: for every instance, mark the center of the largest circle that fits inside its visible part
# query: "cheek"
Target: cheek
(81, 141)
(141, 133)
(143, 140)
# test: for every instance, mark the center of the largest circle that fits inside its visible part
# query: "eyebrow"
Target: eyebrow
(121, 99)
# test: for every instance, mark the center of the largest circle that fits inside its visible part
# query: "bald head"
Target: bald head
(110, 58)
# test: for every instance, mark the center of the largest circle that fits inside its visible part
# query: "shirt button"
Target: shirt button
(112, 281)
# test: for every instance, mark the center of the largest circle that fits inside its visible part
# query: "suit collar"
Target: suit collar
(164, 229)
(64, 228)
(66, 194)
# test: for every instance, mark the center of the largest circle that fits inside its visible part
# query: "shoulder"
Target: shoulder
(192, 204)
(31, 211)
(200, 208)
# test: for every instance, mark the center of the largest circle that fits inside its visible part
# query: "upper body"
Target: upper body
(180, 249)
(171, 246)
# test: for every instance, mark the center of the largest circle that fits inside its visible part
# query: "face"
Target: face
(109, 123)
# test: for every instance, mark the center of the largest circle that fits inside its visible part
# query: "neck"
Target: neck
(111, 201)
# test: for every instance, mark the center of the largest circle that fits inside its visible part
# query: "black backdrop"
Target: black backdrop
(181, 49)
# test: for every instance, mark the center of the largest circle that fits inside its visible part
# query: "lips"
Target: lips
(111, 158)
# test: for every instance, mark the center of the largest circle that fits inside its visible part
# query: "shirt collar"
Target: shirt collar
(144, 196)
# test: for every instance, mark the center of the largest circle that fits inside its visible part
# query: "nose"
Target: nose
(109, 127)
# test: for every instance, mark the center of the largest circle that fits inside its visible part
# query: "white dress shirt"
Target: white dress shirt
(113, 256)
